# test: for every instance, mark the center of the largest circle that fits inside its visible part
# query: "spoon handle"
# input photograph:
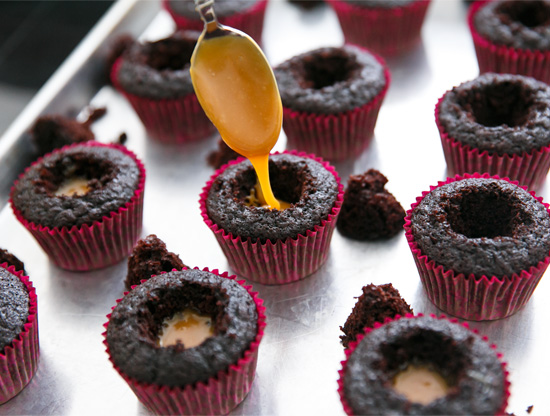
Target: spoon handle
(206, 11)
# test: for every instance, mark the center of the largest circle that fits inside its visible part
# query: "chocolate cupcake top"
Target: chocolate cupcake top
(222, 8)
(500, 113)
(520, 24)
(136, 321)
(11, 260)
(469, 366)
(107, 176)
(160, 69)
(482, 226)
(330, 80)
(14, 307)
(303, 182)
(375, 304)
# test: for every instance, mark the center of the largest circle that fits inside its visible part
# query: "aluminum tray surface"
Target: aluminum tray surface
(301, 352)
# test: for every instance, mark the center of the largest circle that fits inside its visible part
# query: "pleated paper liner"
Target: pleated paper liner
(470, 297)
(19, 361)
(387, 31)
(250, 21)
(281, 261)
(172, 121)
(504, 59)
(349, 351)
(529, 169)
(96, 245)
(335, 137)
(220, 394)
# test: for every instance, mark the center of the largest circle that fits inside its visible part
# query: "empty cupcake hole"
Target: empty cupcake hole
(505, 103)
(477, 214)
(76, 174)
(528, 13)
(194, 303)
(327, 69)
(172, 54)
(429, 357)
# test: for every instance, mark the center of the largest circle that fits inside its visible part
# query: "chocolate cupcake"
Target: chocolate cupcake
(376, 304)
(83, 204)
(177, 374)
(512, 36)
(497, 123)
(481, 245)
(454, 371)
(155, 78)
(150, 257)
(388, 27)
(274, 246)
(369, 211)
(245, 15)
(331, 98)
(19, 349)
(11, 260)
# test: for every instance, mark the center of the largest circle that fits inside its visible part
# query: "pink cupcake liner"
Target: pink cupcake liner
(281, 261)
(529, 169)
(504, 59)
(250, 21)
(468, 297)
(220, 394)
(96, 245)
(335, 137)
(19, 361)
(387, 31)
(176, 121)
(341, 373)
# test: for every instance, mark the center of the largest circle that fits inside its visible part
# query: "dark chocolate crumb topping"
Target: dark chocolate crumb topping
(11, 260)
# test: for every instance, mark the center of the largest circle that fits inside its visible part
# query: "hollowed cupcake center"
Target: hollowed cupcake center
(505, 103)
(171, 54)
(528, 13)
(328, 68)
(184, 317)
(76, 175)
(487, 213)
(422, 365)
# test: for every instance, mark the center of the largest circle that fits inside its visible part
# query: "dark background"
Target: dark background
(35, 38)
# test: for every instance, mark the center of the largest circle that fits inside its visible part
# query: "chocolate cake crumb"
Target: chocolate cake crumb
(374, 305)
(529, 409)
(51, 132)
(12, 260)
(306, 4)
(369, 211)
(122, 139)
(222, 155)
(150, 257)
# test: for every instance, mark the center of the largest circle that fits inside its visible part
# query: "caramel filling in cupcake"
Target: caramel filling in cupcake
(256, 199)
(73, 187)
(188, 328)
(420, 384)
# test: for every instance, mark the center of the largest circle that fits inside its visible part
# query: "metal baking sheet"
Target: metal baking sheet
(301, 352)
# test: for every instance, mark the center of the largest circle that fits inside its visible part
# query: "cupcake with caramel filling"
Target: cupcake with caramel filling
(273, 246)
(423, 365)
(83, 204)
(186, 342)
